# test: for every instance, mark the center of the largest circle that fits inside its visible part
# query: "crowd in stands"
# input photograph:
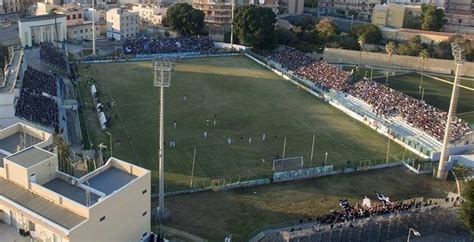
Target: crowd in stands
(38, 82)
(182, 44)
(36, 102)
(52, 55)
(384, 100)
(388, 102)
(320, 72)
(37, 108)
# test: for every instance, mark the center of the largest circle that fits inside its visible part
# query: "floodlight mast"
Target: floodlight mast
(163, 68)
(459, 58)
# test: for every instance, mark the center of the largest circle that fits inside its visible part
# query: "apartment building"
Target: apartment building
(460, 15)
(153, 14)
(9, 6)
(40, 203)
(396, 15)
(121, 24)
(363, 7)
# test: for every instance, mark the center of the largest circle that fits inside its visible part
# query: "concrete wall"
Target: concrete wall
(123, 212)
(409, 62)
(16, 173)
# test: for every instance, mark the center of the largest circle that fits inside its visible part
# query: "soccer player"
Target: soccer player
(174, 124)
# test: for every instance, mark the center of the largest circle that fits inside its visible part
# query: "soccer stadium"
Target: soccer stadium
(262, 146)
(246, 130)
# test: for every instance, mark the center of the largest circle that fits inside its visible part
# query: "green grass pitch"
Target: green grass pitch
(248, 101)
(437, 93)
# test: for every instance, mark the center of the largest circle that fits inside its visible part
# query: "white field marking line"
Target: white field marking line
(448, 82)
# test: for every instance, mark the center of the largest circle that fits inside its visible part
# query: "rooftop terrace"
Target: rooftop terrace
(110, 180)
(39, 205)
(12, 142)
(30, 156)
(72, 192)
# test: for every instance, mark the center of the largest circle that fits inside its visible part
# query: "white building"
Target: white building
(43, 28)
(150, 13)
(38, 202)
(121, 24)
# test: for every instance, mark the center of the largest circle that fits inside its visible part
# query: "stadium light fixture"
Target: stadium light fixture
(459, 58)
(111, 146)
(163, 68)
(416, 233)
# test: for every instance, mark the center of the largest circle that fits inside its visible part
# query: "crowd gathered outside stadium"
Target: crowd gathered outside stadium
(383, 100)
(52, 55)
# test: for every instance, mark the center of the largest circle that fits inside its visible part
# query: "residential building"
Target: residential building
(291, 6)
(218, 13)
(2, 10)
(111, 203)
(396, 15)
(460, 15)
(121, 24)
(362, 7)
(153, 14)
(42, 28)
(10, 6)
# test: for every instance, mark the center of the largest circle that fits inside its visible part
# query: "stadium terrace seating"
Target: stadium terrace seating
(388, 102)
(384, 100)
(37, 108)
(52, 55)
(36, 102)
(321, 73)
(38, 82)
(168, 45)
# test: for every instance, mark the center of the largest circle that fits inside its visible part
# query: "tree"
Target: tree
(285, 37)
(372, 33)
(327, 28)
(466, 212)
(255, 26)
(64, 158)
(411, 47)
(390, 48)
(432, 18)
(184, 19)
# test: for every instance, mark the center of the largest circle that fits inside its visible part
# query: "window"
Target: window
(73, 16)
(144, 213)
(68, 17)
(86, 30)
(459, 21)
(31, 226)
(79, 15)
(102, 219)
(144, 191)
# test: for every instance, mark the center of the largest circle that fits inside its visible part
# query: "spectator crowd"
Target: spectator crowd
(52, 55)
(388, 102)
(384, 100)
(318, 71)
(36, 102)
(38, 82)
(182, 44)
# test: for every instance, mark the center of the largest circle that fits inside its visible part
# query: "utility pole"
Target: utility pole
(192, 170)
(93, 27)
(232, 26)
(459, 58)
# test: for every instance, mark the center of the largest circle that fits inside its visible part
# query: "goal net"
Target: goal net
(290, 163)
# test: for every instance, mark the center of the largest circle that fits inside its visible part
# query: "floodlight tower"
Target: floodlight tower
(232, 26)
(163, 68)
(459, 58)
(93, 27)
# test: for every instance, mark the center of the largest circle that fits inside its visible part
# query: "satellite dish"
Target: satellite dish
(262, 2)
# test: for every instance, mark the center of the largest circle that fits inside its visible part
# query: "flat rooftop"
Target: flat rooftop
(39, 205)
(30, 156)
(42, 17)
(12, 142)
(72, 192)
(110, 180)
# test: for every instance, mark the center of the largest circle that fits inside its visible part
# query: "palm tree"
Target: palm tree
(424, 55)
(361, 41)
(390, 48)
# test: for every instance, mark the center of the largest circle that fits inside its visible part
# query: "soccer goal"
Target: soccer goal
(290, 163)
